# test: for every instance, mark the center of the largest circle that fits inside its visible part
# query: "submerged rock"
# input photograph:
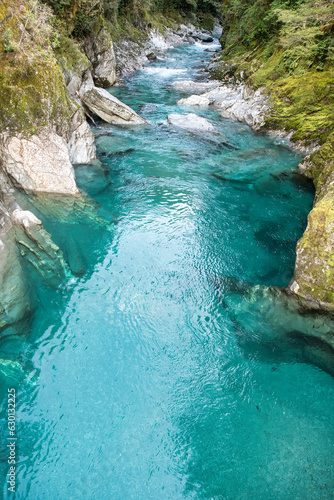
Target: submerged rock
(292, 334)
(191, 122)
(37, 247)
(109, 108)
(15, 303)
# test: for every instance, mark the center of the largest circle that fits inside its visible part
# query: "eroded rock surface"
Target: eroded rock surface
(39, 162)
(100, 52)
(195, 87)
(15, 304)
(37, 247)
(191, 122)
(314, 271)
(109, 108)
(81, 145)
(195, 100)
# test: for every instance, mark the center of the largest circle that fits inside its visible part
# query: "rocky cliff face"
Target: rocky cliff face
(314, 272)
(275, 108)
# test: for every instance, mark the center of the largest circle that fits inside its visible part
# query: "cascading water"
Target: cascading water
(165, 368)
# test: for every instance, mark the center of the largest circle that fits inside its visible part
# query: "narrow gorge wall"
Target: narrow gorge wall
(277, 66)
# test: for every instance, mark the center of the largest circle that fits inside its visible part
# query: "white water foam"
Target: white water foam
(159, 41)
(164, 72)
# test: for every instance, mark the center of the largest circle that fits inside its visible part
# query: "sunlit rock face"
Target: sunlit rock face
(191, 122)
(39, 162)
(81, 145)
(110, 109)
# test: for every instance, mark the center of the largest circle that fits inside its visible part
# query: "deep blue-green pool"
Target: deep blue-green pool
(165, 368)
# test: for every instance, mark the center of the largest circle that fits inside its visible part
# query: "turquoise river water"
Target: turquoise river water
(164, 367)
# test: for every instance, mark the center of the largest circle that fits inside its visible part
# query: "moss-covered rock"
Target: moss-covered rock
(287, 51)
(33, 95)
(319, 167)
(314, 272)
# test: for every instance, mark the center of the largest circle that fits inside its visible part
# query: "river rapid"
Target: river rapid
(164, 367)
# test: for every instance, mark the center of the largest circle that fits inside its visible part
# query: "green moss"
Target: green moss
(319, 166)
(315, 259)
(69, 55)
(206, 21)
(32, 94)
(305, 104)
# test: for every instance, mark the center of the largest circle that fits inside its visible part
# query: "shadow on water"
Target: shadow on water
(290, 333)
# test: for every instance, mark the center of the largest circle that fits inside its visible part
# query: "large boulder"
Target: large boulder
(204, 38)
(109, 108)
(251, 109)
(15, 306)
(314, 272)
(39, 162)
(37, 247)
(224, 96)
(191, 122)
(195, 100)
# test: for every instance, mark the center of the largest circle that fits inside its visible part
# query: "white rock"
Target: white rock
(191, 122)
(224, 96)
(81, 145)
(109, 108)
(195, 100)
(87, 83)
(25, 218)
(250, 111)
(39, 162)
(105, 71)
(195, 87)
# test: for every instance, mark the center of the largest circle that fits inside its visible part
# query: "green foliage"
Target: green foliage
(84, 17)
(206, 21)
(302, 29)
(7, 40)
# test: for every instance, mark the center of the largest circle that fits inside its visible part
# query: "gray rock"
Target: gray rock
(15, 304)
(109, 108)
(191, 122)
(204, 38)
(251, 109)
(195, 100)
(100, 51)
(81, 144)
(151, 56)
(195, 87)
(39, 162)
(132, 55)
(37, 247)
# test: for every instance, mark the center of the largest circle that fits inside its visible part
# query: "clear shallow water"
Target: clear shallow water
(158, 371)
